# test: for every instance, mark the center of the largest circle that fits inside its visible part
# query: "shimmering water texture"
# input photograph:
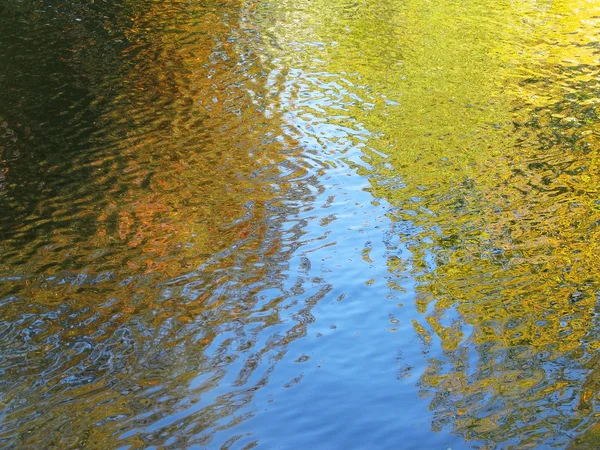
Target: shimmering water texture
(299, 224)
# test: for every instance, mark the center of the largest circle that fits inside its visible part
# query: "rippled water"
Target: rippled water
(299, 224)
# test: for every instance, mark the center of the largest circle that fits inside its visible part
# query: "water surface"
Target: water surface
(307, 224)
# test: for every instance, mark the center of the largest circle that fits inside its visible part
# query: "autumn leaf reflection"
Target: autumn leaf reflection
(151, 268)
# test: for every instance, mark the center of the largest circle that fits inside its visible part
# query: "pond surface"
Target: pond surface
(299, 224)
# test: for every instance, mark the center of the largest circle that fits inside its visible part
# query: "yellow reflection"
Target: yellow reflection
(483, 124)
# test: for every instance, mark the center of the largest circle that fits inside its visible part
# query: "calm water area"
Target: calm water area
(307, 224)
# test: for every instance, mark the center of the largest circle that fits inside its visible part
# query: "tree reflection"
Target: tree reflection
(150, 273)
(483, 139)
(144, 251)
(506, 210)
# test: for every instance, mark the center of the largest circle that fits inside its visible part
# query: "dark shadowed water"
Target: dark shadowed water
(299, 224)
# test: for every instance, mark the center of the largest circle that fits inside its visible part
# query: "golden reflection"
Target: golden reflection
(178, 235)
